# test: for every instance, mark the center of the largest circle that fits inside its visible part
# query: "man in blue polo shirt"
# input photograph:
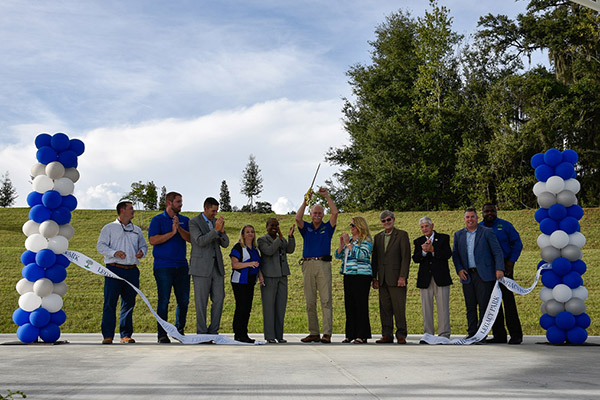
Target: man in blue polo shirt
(511, 244)
(316, 265)
(168, 233)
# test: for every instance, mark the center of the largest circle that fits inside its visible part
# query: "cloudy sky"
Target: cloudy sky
(182, 92)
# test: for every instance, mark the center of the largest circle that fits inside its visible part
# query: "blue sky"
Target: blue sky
(181, 92)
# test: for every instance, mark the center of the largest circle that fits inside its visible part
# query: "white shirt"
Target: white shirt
(118, 237)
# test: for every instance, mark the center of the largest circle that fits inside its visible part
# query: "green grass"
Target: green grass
(83, 302)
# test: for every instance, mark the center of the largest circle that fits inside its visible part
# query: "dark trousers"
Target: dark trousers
(477, 294)
(113, 289)
(513, 323)
(177, 278)
(244, 294)
(392, 306)
(356, 301)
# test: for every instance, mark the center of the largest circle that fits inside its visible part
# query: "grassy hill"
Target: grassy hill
(83, 302)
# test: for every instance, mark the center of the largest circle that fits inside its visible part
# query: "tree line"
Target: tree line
(439, 121)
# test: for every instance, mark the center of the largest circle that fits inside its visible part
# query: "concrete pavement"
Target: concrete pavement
(85, 369)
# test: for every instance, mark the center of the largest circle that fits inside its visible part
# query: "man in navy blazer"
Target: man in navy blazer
(479, 262)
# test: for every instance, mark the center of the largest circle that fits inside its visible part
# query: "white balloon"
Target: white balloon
(31, 227)
(580, 293)
(559, 239)
(546, 294)
(555, 184)
(572, 185)
(49, 229)
(72, 174)
(575, 306)
(58, 244)
(42, 184)
(577, 239)
(38, 169)
(36, 242)
(24, 286)
(562, 293)
(543, 241)
(64, 186)
(30, 301)
(553, 307)
(67, 231)
(539, 188)
(566, 198)
(546, 199)
(60, 288)
(55, 170)
(43, 287)
(572, 253)
(53, 302)
(550, 253)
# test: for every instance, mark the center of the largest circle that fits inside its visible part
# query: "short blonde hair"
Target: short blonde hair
(363, 229)
(241, 238)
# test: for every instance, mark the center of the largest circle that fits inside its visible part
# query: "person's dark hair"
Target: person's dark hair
(210, 201)
(271, 219)
(488, 205)
(171, 196)
(471, 209)
(122, 205)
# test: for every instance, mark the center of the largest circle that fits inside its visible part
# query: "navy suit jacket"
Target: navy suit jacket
(488, 253)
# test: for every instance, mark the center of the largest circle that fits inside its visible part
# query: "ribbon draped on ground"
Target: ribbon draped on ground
(87, 263)
(491, 311)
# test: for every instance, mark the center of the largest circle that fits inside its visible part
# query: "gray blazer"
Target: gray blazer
(273, 263)
(205, 247)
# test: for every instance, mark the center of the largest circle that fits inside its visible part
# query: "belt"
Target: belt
(311, 258)
(473, 269)
(122, 266)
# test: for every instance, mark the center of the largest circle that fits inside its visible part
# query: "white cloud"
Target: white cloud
(283, 206)
(101, 196)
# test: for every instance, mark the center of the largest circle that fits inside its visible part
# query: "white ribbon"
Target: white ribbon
(491, 311)
(87, 263)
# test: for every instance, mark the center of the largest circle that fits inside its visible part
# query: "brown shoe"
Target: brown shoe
(107, 340)
(401, 340)
(385, 339)
(127, 339)
(311, 338)
(326, 339)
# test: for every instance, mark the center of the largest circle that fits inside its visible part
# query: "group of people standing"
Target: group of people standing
(483, 252)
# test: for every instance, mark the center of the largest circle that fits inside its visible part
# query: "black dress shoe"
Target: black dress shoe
(245, 340)
(496, 340)
(515, 340)
(282, 340)
(164, 339)
(271, 341)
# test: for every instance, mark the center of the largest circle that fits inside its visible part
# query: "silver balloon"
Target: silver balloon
(67, 231)
(60, 288)
(566, 198)
(49, 229)
(571, 252)
(543, 308)
(575, 306)
(30, 228)
(550, 253)
(72, 174)
(577, 239)
(543, 241)
(55, 170)
(581, 292)
(546, 294)
(38, 169)
(43, 287)
(562, 293)
(539, 188)
(555, 184)
(24, 286)
(546, 200)
(559, 239)
(572, 185)
(553, 307)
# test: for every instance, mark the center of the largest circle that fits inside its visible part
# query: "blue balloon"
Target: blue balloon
(59, 142)
(570, 156)
(61, 215)
(40, 317)
(27, 257)
(58, 317)
(43, 139)
(537, 160)
(543, 172)
(548, 225)
(577, 335)
(56, 274)
(45, 155)
(34, 198)
(569, 225)
(51, 199)
(565, 320)
(583, 320)
(575, 211)
(557, 212)
(68, 159)
(574, 176)
(579, 266)
(555, 335)
(540, 214)
(28, 333)
(77, 146)
(542, 262)
(50, 333)
(564, 170)
(62, 260)
(561, 266)
(21, 317)
(39, 213)
(546, 321)
(572, 280)
(32, 272)
(45, 258)
(553, 157)
(550, 279)
(70, 202)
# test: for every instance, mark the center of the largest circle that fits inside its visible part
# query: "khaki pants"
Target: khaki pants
(317, 278)
(442, 300)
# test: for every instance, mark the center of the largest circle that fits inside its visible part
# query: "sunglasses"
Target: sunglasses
(352, 225)
(389, 219)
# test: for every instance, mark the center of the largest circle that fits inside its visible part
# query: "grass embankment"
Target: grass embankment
(83, 302)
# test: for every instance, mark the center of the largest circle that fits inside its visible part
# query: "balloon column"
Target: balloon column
(563, 294)
(48, 233)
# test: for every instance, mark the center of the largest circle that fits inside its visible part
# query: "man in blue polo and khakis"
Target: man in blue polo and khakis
(316, 265)
(169, 234)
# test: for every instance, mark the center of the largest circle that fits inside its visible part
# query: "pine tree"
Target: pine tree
(8, 193)
(251, 181)
(225, 198)
(162, 201)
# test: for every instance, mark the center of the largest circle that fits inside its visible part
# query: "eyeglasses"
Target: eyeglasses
(389, 219)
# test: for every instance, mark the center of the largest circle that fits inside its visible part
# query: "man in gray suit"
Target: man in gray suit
(273, 274)
(479, 262)
(207, 233)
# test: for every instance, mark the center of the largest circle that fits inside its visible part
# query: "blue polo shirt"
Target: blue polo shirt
(317, 242)
(173, 252)
(509, 238)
